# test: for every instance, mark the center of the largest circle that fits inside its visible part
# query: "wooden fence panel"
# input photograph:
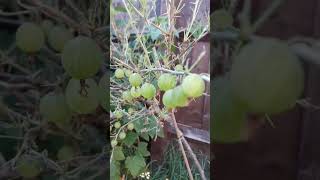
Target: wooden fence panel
(309, 157)
(194, 120)
(272, 153)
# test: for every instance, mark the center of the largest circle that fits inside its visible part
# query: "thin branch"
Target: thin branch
(203, 76)
(17, 13)
(179, 135)
(54, 13)
(265, 16)
(189, 149)
(194, 157)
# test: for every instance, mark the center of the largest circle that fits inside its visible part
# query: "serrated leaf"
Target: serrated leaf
(152, 126)
(143, 149)
(135, 165)
(145, 136)
(139, 125)
(115, 170)
(130, 138)
(118, 154)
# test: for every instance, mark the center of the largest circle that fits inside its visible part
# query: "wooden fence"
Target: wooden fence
(291, 150)
(194, 120)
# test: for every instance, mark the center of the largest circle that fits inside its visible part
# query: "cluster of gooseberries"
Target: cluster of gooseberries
(266, 78)
(137, 114)
(174, 96)
(81, 59)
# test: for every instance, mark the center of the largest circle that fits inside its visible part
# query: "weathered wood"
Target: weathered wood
(191, 133)
(272, 153)
(309, 158)
(194, 120)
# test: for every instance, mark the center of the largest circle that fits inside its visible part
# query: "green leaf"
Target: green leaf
(130, 138)
(160, 132)
(143, 149)
(154, 33)
(145, 136)
(139, 125)
(118, 154)
(152, 126)
(115, 170)
(135, 165)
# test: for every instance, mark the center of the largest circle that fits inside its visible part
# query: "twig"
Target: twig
(179, 136)
(264, 17)
(15, 86)
(203, 76)
(25, 143)
(194, 157)
(93, 161)
(55, 13)
(77, 10)
(2, 13)
(306, 53)
(164, 70)
(17, 66)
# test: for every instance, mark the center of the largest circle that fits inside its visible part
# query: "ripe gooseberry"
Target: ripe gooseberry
(30, 38)
(28, 167)
(119, 73)
(65, 153)
(81, 57)
(127, 72)
(167, 99)
(221, 19)
(58, 37)
(135, 92)
(114, 143)
(167, 81)
(148, 90)
(54, 108)
(126, 95)
(105, 91)
(122, 135)
(135, 80)
(130, 126)
(46, 26)
(193, 85)
(118, 114)
(179, 98)
(229, 123)
(267, 76)
(82, 98)
(117, 125)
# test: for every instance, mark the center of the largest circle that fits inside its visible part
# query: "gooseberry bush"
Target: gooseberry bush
(54, 90)
(254, 76)
(151, 76)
